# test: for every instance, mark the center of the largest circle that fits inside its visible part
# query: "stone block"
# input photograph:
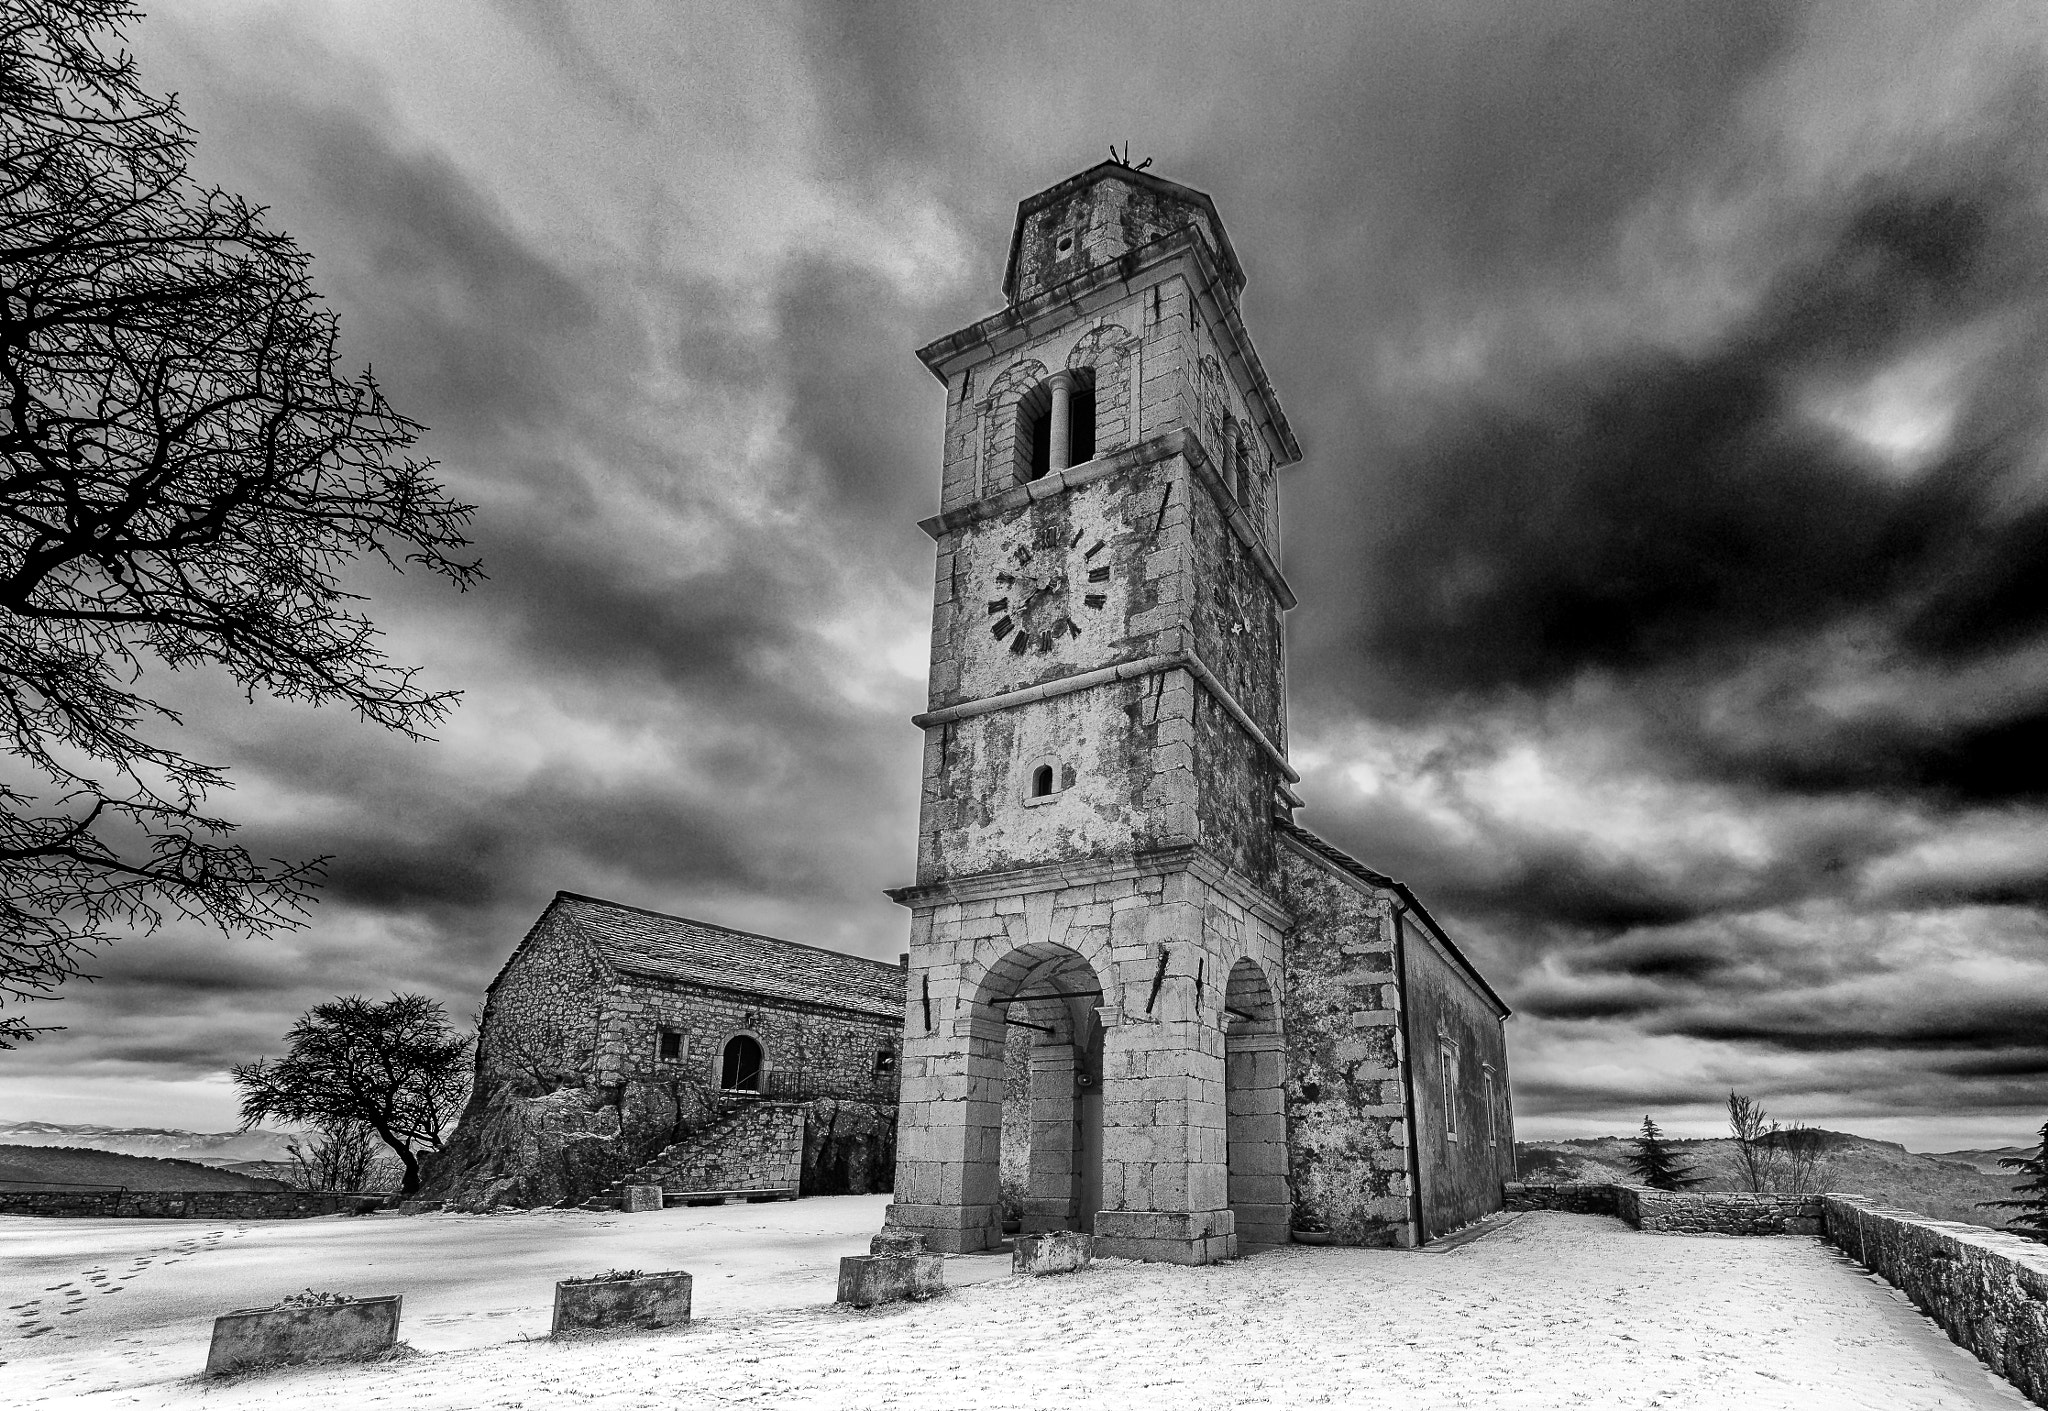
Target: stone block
(868, 1279)
(636, 1199)
(893, 1240)
(323, 1332)
(659, 1300)
(1054, 1252)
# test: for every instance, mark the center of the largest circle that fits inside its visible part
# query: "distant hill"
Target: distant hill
(208, 1148)
(1987, 1160)
(1944, 1187)
(62, 1168)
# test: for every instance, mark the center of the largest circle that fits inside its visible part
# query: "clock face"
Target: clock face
(1043, 593)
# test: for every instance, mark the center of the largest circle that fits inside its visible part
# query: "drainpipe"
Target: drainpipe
(1408, 1080)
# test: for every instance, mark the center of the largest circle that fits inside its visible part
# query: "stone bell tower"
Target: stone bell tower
(1105, 748)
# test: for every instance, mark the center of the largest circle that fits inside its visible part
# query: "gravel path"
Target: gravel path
(1546, 1311)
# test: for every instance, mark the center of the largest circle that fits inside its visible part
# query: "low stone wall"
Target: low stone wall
(1717, 1212)
(1583, 1198)
(180, 1205)
(1988, 1289)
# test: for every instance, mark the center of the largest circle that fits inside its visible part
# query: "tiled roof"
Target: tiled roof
(695, 952)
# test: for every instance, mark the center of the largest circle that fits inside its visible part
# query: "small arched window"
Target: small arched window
(1035, 426)
(739, 1069)
(1041, 782)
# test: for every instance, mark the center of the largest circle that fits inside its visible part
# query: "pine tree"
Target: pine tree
(2030, 1197)
(1656, 1165)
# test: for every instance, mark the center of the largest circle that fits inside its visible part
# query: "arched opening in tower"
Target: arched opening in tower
(1047, 1167)
(1254, 1068)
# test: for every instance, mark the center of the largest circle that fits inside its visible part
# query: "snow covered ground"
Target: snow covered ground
(1546, 1311)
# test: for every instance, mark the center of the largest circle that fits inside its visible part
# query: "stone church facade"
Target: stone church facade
(1237, 1033)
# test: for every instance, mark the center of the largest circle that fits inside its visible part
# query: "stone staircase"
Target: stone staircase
(754, 1151)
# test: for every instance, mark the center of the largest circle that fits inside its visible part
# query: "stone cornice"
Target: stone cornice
(1055, 876)
(1102, 285)
(1059, 686)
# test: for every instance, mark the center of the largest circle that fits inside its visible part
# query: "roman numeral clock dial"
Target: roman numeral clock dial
(1041, 592)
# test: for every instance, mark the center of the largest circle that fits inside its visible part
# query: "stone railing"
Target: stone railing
(183, 1205)
(1987, 1289)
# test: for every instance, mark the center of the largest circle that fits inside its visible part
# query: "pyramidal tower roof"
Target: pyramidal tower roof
(1101, 215)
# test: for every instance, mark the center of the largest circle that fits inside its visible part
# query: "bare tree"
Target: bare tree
(337, 1159)
(184, 476)
(1755, 1136)
(395, 1067)
(1803, 1166)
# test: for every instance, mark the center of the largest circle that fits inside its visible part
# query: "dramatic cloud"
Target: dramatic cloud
(1671, 540)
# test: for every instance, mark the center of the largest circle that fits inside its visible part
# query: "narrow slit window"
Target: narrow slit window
(1447, 1067)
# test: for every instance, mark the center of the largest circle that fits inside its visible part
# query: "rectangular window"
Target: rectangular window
(1447, 1062)
(669, 1045)
(1492, 1111)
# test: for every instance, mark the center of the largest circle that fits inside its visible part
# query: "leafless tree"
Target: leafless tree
(1756, 1150)
(1803, 1164)
(336, 1159)
(185, 475)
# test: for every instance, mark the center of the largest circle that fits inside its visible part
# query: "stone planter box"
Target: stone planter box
(326, 1332)
(643, 1301)
(868, 1279)
(1054, 1252)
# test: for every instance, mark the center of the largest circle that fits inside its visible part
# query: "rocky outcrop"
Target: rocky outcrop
(562, 1147)
(525, 1150)
(849, 1147)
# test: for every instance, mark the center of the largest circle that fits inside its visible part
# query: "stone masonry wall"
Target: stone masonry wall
(182, 1205)
(806, 1049)
(1346, 1125)
(1458, 1082)
(1165, 1146)
(758, 1148)
(1987, 1289)
(1573, 1198)
(1674, 1212)
(1717, 1212)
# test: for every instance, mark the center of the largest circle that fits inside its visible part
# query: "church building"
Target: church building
(1141, 999)
(1236, 1034)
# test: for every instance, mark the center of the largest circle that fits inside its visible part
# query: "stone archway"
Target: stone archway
(1049, 1137)
(1254, 1063)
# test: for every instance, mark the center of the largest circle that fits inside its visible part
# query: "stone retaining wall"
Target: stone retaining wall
(181, 1205)
(1581, 1198)
(1987, 1289)
(1718, 1212)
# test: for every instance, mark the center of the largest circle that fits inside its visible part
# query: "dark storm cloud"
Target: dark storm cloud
(1565, 309)
(1654, 506)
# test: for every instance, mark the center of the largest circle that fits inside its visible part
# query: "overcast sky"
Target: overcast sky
(1672, 537)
